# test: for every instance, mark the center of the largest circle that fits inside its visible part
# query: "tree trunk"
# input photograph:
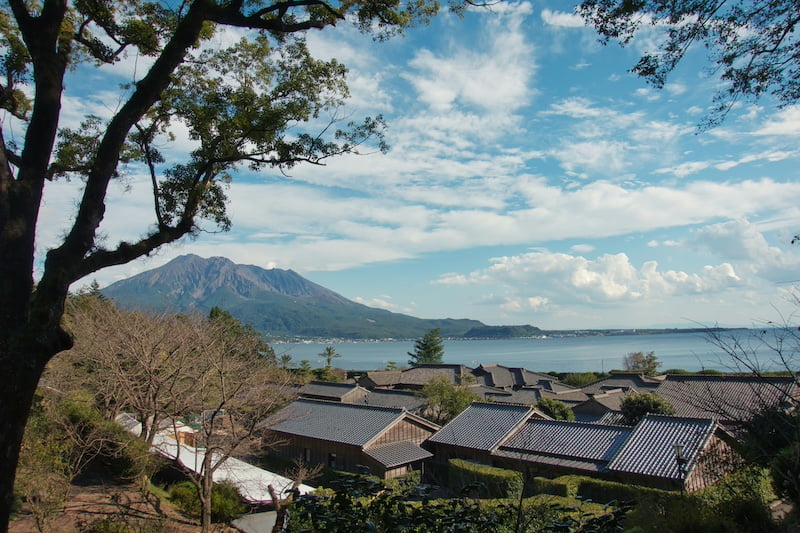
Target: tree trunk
(16, 397)
(205, 493)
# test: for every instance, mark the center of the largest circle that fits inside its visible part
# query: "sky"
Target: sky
(531, 179)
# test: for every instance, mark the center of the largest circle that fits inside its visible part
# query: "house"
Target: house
(668, 451)
(665, 452)
(556, 447)
(336, 392)
(731, 399)
(417, 377)
(603, 407)
(477, 431)
(351, 437)
(511, 378)
(627, 381)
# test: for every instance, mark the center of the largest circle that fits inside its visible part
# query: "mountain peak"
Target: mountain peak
(273, 301)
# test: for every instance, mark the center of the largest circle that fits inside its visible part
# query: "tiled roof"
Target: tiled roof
(569, 396)
(481, 426)
(333, 421)
(393, 398)
(623, 380)
(526, 396)
(397, 453)
(322, 389)
(500, 376)
(567, 440)
(383, 378)
(649, 450)
(728, 398)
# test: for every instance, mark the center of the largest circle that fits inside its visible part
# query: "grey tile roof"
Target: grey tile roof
(727, 398)
(649, 450)
(623, 380)
(567, 440)
(333, 421)
(504, 377)
(384, 378)
(393, 398)
(482, 426)
(397, 453)
(322, 389)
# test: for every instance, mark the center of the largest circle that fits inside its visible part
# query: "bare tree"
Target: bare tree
(231, 394)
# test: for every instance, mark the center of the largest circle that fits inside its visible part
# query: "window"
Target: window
(307, 455)
(332, 460)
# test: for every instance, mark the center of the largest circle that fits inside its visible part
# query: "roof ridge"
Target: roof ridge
(352, 405)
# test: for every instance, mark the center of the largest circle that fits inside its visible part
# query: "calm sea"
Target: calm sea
(690, 351)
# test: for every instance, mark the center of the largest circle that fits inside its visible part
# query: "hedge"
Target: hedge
(487, 481)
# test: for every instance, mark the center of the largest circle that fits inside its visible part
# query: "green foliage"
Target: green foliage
(555, 409)
(635, 405)
(328, 355)
(244, 341)
(226, 503)
(484, 481)
(647, 364)
(555, 487)
(444, 400)
(427, 350)
(752, 44)
(364, 504)
(785, 471)
(580, 379)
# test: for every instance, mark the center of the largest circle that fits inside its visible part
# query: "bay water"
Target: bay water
(687, 350)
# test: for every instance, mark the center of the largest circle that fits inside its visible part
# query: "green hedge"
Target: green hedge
(484, 481)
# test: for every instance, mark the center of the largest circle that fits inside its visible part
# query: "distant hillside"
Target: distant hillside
(502, 332)
(278, 303)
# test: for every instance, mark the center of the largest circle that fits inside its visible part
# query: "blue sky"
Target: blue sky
(531, 180)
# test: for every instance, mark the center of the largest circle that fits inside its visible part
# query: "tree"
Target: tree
(555, 409)
(165, 368)
(647, 364)
(328, 355)
(752, 44)
(242, 335)
(427, 350)
(445, 400)
(258, 102)
(635, 405)
(771, 434)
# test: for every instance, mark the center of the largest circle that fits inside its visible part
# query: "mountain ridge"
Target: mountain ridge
(278, 303)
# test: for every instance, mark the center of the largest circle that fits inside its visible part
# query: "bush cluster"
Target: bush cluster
(226, 503)
(484, 481)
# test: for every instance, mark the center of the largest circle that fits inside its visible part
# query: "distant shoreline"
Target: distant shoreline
(542, 334)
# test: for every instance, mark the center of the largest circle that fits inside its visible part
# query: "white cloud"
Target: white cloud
(743, 243)
(784, 122)
(543, 278)
(562, 19)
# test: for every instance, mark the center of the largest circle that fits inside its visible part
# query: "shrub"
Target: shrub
(488, 481)
(226, 503)
(555, 409)
(554, 487)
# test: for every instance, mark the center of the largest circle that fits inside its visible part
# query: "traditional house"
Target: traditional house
(668, 451)
(730, 399)
(335, 392)
(417, 377)
(555, 447)
(601, 408)
(664, 452)
(477, 431)
(512, 378)
(627, 381)
(350, 437)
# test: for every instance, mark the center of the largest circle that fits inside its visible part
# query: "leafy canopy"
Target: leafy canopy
(636, 405)
(647, 364)
(428, 350)
(754, 45)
